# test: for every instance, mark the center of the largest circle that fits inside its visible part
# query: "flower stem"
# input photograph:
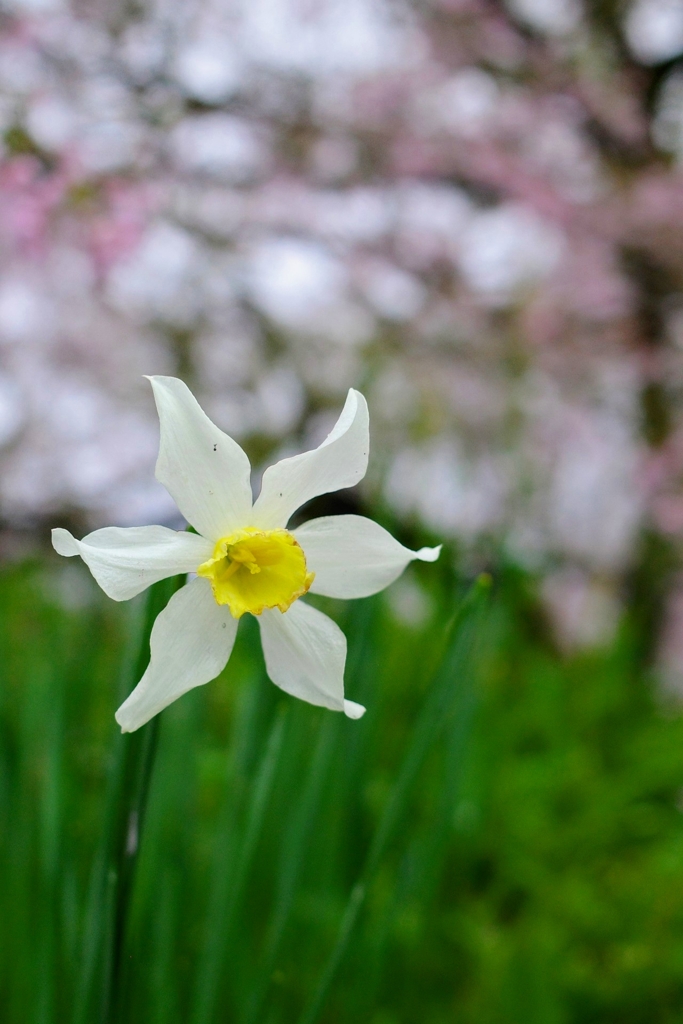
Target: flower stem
(135, 781)
(102, 991)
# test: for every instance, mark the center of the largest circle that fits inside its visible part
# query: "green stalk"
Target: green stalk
(361, 621)
(233, 863)
(291, 862)
(435, 712)
(101, 995)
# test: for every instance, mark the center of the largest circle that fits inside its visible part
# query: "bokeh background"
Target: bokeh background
(473, 211)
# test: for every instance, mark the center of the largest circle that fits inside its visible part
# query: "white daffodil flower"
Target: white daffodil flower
(245, 558)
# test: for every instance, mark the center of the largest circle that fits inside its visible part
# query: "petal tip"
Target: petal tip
(124, 721)
(359, 399)
(353, 710)
(160, 380)
(64, 543)
(428, 554)
(157, 380)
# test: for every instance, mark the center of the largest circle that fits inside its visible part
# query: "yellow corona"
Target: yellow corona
(253, 569)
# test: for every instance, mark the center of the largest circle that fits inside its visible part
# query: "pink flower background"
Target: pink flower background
(472, 210)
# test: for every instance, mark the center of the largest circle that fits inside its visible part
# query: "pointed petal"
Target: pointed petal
(206, 473)
(125, 561)
(352, 556)
(340, 461)
(191, 642)
(353, 710)
(305, 652)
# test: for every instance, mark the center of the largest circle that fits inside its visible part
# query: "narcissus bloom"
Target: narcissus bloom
(245, 558)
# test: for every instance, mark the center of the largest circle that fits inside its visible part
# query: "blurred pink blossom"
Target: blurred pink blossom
(474, 211)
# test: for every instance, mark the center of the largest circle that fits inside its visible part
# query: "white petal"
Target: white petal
(191, 642)
(352, 556)
(205, 471)
(305, 652)
(125, 561)
(353, 710)
(340, 461)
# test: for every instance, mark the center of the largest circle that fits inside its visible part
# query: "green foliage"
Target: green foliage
(497, 841)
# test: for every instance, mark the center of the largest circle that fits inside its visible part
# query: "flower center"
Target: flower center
(255, 569)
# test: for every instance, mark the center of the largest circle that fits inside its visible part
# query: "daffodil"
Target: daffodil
(244, 558)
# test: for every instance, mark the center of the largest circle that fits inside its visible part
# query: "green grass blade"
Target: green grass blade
(423, 860)
(430, 722)
(100, 991)
(231, 875)
(291, 862)
(51, 832)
